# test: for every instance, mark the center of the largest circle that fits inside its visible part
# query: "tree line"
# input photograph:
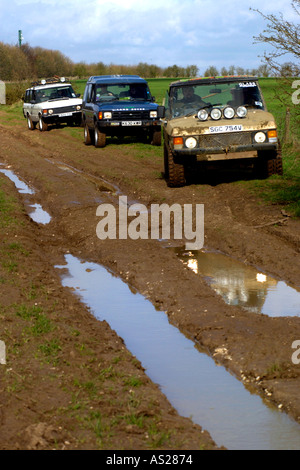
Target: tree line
(27, 63)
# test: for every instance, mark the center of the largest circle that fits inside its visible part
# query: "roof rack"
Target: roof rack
(225, 78)
(47, 81)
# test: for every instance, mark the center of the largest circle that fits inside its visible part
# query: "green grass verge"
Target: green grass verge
(283, 190)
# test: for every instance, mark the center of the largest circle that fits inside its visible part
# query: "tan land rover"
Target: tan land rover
(218, 119)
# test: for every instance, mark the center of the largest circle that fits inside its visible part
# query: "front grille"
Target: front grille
(65, 109)
(233, 139)
(130, 115)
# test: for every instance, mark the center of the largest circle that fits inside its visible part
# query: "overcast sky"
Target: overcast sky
(160, 32)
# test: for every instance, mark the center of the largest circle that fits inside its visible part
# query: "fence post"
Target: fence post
(2, 93)
(2, 353)
(287, 127)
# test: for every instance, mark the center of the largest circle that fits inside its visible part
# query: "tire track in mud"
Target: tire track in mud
(253, 343)
(43, 424)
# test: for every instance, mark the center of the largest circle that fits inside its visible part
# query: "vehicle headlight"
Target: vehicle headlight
(260, 137)
(241, 111)
(107, 115)
(191, 142)
(216, 114)
(50, 111)
(153, 114)
(78, 108)
(203, 115)
(229, 112)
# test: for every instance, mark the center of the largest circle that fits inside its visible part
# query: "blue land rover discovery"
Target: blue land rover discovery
(119, 105)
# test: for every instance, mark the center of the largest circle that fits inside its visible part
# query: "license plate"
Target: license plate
(131, 123)
(227, 128)
(65, 114)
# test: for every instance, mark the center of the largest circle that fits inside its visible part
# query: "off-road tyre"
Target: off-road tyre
(87, 135)
(275, 166)
(100, 138)
(174, 172)
(155, 137)
(43, 126)
(269, 164)
(31, 125)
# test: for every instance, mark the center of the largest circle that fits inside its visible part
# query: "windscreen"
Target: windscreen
(139, 91)
(54, 93)
(187, 99)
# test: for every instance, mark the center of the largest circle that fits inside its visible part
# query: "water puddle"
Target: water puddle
(20, 185)
(192, 382)
(39, 215)
(36, 211)
(243, 285)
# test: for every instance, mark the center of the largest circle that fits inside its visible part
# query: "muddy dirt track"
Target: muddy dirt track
(71, 180)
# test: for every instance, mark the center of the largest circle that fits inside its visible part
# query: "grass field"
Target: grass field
(284, 190)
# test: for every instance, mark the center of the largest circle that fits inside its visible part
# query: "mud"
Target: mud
(258, 347)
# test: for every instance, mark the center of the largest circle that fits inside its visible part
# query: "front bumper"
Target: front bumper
(62, 117)
(219, 153)
(127, 124)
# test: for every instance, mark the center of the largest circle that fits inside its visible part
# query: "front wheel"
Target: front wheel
(42, 125)
(174, 172)
(100, 138)
(155, 137)
(268, 164)
(87, 135)
(31, 125)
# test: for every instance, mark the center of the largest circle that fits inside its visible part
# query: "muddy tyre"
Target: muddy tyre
(88, 138)
(42, 125)
(100, 138)
(269, 164)
(155, 137)
(174, 172)
(31, 125)
(275, 166)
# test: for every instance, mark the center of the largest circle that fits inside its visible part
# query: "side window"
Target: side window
(93, 96)
(166, 103)
(87, 93)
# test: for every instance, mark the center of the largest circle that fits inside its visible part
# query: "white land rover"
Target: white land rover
(51, 101)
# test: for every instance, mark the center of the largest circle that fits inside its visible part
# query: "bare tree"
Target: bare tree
(283, 36)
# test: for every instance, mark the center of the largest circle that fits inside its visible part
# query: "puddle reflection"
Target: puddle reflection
(191, 380)
(243, 285)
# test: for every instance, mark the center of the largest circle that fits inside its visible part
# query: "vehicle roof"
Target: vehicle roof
(105, 79)
(211, 80)
(49, 85)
